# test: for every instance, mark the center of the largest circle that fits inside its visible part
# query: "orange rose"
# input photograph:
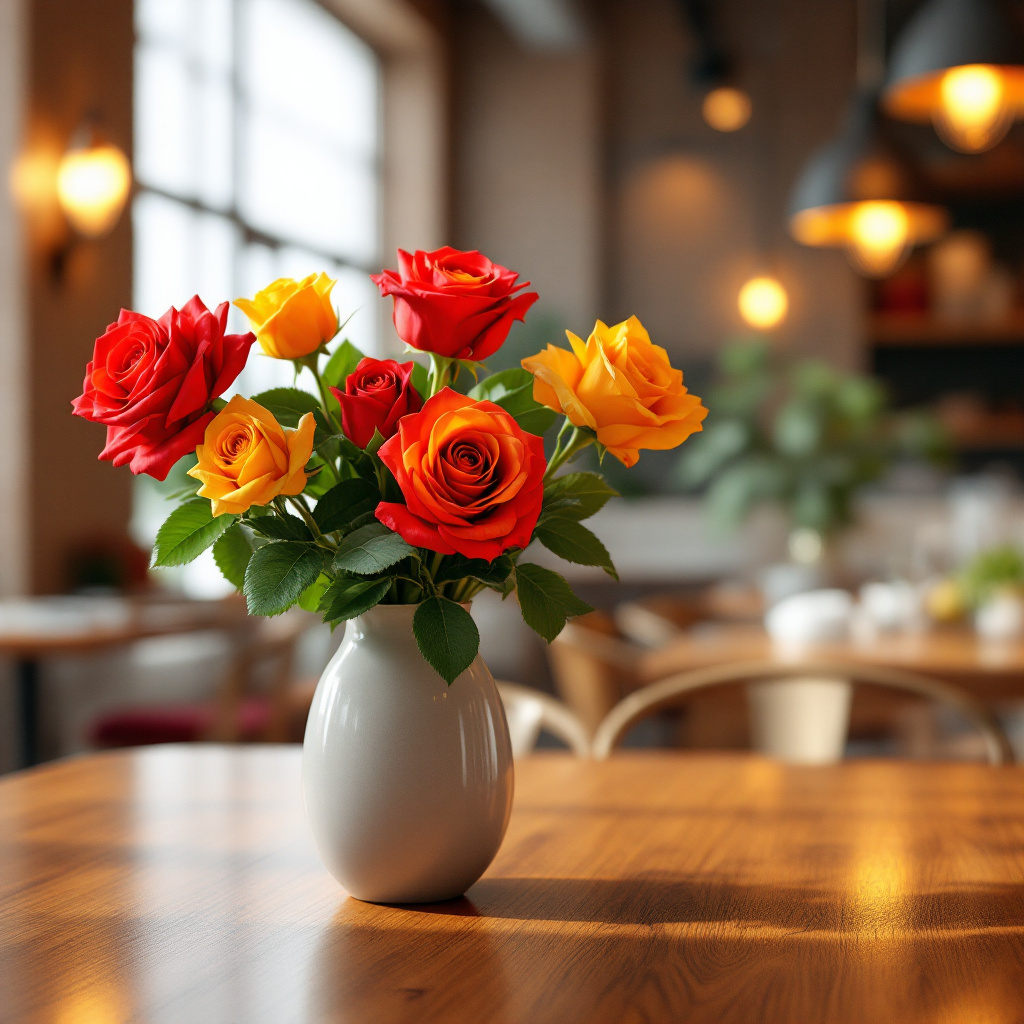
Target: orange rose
(471, 477)
(620, 386)
(292, 318)
(247, 458)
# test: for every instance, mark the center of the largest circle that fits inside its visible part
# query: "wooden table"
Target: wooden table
(143, 618)
(179, 885)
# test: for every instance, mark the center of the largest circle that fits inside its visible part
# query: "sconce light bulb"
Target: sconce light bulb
(974, 111)
(878, 237)
(763, 303)
(726, 109)
(92, 187)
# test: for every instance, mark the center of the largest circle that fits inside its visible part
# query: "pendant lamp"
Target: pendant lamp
(857, 194)
(960, 65)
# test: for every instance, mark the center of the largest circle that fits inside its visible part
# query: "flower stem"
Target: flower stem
(566, 450)
(440, 373)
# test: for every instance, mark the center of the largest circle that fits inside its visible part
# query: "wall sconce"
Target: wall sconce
(93, 182)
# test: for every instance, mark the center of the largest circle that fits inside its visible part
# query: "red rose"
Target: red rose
(152, 381)
(472, 478)
(377, 395)
(457, 304)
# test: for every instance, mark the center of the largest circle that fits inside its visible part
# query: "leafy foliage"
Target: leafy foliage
(278, 573)
(187, 532)
(799, 433)
(348, 597)
(512, 389)
(575, 543)
(232, 552)
(546, 600)
(344, 503)
(371, 549)
(576, 496)
(446, 636)
(344, 359)
(288, 405)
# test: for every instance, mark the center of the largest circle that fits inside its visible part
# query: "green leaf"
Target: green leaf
(371, 549)
(278, 573)
(187, 532)
(349, 597)
(575, 543)
(546, 600)
(232, 552)
(458, 567)
(577, 495)
(343, 361)
(281, 527)
(420, 378)
(512, 389)
(288, 405)
(446, 636)
(344, 502)
(309, 599)
(375, 442)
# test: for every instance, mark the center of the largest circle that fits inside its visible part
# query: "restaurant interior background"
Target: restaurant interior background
(575, 143)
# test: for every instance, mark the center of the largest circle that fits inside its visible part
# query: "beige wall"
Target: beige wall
(527, 176)
(14, 458)
(593, 172)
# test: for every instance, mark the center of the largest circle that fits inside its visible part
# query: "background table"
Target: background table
(179, 885)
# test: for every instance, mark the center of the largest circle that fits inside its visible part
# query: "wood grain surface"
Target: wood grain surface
(180, 885)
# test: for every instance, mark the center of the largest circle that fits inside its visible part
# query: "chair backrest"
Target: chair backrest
(529, 712)
(671, 690)
(258, 643)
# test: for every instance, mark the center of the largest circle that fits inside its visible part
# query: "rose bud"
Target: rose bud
(620, 385)
(377, 395)
(472, 478)
(457, 304)
(292, 318)
(152, 381)
(247, 458)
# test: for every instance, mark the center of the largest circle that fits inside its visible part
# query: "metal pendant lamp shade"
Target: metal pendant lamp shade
(856, 193)
(959, 64)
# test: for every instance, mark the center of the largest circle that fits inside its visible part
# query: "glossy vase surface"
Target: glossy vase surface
(407, 781)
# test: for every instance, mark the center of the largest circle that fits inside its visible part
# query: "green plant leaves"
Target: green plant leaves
(420, 379)
(576, 496)
(345, 502)
(310, 598)
(446, 636)
(281, 527)
(344, 359)
(288, 405)
(575, 543)
(371, 549)
(491, 574)
(347, 597)
(232, 552)
(546, 600)
(278, 573)
(187, 532)
(512, 389)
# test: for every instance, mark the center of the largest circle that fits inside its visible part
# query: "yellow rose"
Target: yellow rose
(247, 458)
(292, 318)
(621, 386)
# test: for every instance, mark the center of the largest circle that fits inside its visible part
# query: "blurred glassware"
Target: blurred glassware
(966, 285)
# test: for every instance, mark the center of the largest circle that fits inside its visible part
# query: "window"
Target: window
(257, 151)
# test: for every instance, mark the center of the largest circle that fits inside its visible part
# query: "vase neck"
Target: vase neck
(393, 621)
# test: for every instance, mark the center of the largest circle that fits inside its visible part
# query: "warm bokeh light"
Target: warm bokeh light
(92, 186)
(726, 109)
(974, 112)
(763, 303)
(879, 237)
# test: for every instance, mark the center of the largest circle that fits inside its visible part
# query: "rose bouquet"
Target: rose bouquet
(383, 484)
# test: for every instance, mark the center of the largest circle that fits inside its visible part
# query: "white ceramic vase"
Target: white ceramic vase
(407, 781)
(802, 721)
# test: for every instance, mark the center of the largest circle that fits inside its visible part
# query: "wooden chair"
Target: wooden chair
(530, 712)
(237, 713)
(669, 692)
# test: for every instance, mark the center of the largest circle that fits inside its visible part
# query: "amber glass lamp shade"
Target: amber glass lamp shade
(763, 303)
(959, 65)
(856, 194)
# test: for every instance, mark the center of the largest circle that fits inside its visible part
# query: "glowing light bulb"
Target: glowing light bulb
(763, 303)
(726, 109)
(878, 237)
(92, 186)
(974, 111)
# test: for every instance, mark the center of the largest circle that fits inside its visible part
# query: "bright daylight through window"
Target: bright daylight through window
(257, 156)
